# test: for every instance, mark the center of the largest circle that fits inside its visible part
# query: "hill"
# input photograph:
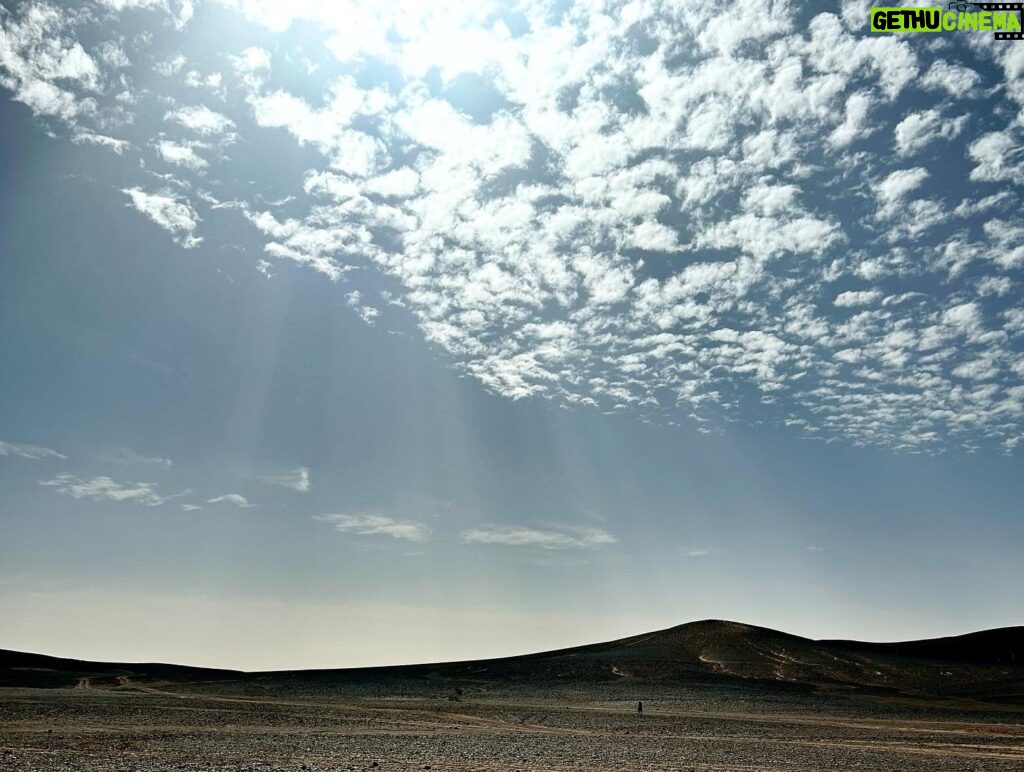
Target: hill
(982, 665)
(19, 668)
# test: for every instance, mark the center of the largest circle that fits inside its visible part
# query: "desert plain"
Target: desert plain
(545, 712)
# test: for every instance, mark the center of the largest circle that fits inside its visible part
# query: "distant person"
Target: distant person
(640, 708)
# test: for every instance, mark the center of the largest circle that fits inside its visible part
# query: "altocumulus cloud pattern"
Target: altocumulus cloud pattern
(705, 211)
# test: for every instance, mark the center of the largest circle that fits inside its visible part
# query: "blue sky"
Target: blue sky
(344, 334)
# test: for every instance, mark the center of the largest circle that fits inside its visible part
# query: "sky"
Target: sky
(340, 333)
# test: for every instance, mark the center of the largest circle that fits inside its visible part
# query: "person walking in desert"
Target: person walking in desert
(640, 708)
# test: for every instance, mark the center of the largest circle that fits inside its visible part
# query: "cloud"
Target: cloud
(113, 55)
(997, 156)
(955, 79)
(172, 66)
(129, 457)
(682, 229)
(354, 300)
(31, 452)
(120, 5)
(119, 146)
(548, 539)
(106, 489)
(231, 498)
(896, 185)
(377, 525)
(1007, 243)
(921, 128)
(296, 479)
(181, 155)
(861, 298)
(214, 82)
(329, 129)
(855, 125)
(908, 218)
(44, 66)
(201, 120)
(169, 212)
(399, 183)
(252, 59)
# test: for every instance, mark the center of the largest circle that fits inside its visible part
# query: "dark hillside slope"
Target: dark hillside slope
(39, 670)
(982, 665)
(1003, 646)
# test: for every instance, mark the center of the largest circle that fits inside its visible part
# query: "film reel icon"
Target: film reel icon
(1004, 7)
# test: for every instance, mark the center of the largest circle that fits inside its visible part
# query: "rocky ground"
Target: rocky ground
(175, 727)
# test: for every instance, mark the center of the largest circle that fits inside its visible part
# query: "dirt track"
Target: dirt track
(171, 727)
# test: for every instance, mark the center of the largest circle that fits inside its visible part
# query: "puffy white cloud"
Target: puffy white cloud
(167, 211)
(855, 125)
(892, 191)
(400, 183)
(172, 66)
(955, 79)
(252, 59)
(655, 210)
(857, 298)
(921, 128)
(113, 55)
(111, 143)
(180, 155)
(200, 119)
(44, 66)
(1007, 243)
(329, 128)
(997, 157)
(765, 237)
(180, 10)
(211, 82)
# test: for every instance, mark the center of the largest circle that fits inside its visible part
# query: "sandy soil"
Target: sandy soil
(174, 727)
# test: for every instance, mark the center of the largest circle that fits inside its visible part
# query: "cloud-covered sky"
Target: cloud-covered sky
(341, 275)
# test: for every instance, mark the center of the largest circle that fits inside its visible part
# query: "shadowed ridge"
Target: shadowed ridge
(986, 664)
(18, 668)
(1001, 646)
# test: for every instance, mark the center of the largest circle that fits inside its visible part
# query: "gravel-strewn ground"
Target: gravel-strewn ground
(153, 727)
